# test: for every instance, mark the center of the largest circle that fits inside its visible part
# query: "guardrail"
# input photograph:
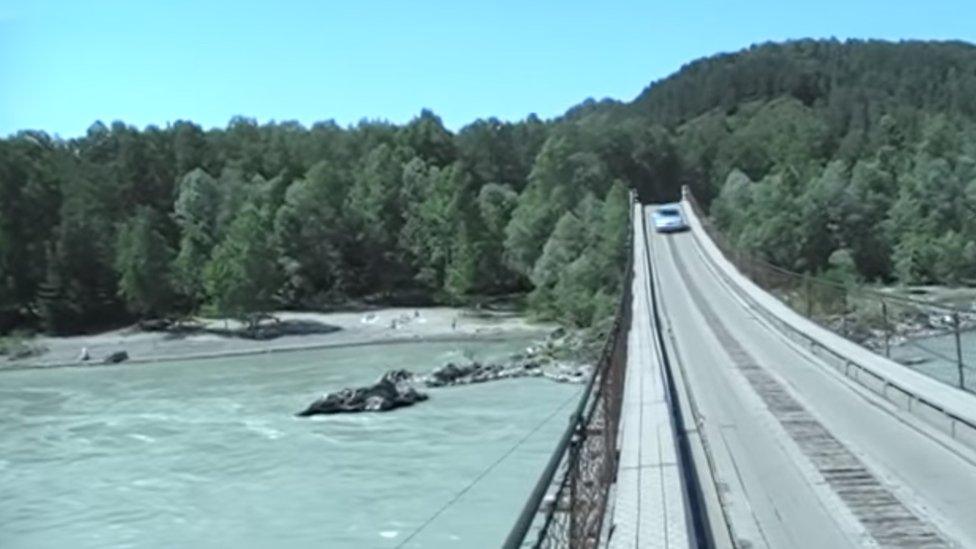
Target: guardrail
(567, 505)
(940, 405)
(925, 336)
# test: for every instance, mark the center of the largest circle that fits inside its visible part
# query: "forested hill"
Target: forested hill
(856, 156)
(918, 75)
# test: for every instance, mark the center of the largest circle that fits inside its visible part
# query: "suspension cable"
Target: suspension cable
(488, 470)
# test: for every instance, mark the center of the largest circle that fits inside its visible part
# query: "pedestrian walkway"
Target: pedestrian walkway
(648, 500)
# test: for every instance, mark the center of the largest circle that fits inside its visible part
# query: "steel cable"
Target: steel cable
(488, 470)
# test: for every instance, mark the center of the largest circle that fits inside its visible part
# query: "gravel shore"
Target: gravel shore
(394, 325)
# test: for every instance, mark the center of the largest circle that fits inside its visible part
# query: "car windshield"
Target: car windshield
(669, 212)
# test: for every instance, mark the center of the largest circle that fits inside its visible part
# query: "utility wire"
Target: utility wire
(487, 470)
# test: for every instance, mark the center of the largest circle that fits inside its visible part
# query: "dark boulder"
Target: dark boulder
(117, 357)
(450, 374)
(393, 390)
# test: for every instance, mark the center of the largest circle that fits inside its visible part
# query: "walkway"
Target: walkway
(648, 503)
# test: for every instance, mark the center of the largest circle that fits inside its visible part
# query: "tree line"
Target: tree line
(855, 156)
(122, 224)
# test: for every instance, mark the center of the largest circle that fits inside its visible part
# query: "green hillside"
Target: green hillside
(822, 154)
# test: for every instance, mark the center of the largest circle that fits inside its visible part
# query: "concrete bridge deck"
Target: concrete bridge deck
(799, 454)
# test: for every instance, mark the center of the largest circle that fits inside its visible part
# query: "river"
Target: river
(209, 454)
(936, 357)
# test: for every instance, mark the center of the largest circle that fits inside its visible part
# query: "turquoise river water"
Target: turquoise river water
(209, 454)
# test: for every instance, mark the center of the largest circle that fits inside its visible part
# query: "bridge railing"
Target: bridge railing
(567, 506)
(933, 338)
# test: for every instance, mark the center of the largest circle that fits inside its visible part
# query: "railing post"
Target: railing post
(955, 325)
(887, 328)
(809, 298)
(574, 450)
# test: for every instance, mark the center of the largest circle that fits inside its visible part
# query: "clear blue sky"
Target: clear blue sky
(65, 64)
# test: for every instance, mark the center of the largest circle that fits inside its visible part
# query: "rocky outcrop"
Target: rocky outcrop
(519, 366)
(475, 372)
(393, 390)
(396, 388)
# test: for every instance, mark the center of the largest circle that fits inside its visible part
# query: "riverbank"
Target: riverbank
(216, 338)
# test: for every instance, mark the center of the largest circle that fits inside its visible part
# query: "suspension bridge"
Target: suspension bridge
(720, 416)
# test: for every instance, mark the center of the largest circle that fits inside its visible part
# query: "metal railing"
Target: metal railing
(567, 506)
(932, 338)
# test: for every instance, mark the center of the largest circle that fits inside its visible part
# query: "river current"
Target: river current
(209, 453)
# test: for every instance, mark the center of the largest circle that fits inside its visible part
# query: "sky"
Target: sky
(65, 64)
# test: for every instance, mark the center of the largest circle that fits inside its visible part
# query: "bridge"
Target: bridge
(719, 416)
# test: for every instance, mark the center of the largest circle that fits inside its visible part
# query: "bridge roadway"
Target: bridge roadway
(799, 455)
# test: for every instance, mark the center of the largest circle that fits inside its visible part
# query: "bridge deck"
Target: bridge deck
(648, 505)
(803, 457)
(800, 455)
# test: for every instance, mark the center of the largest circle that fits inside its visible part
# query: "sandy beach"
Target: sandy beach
(394, 325)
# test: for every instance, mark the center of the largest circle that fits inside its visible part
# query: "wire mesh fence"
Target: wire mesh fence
(569, 502)
(936, 339)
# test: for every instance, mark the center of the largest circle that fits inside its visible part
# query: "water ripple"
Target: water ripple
(210, 455)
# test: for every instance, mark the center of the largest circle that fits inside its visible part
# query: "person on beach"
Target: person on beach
(83, 356)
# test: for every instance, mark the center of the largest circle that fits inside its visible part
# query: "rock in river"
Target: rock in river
(117, 357)
(393, 390)
(463, 374)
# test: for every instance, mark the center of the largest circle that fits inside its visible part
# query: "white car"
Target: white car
(668, 219)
